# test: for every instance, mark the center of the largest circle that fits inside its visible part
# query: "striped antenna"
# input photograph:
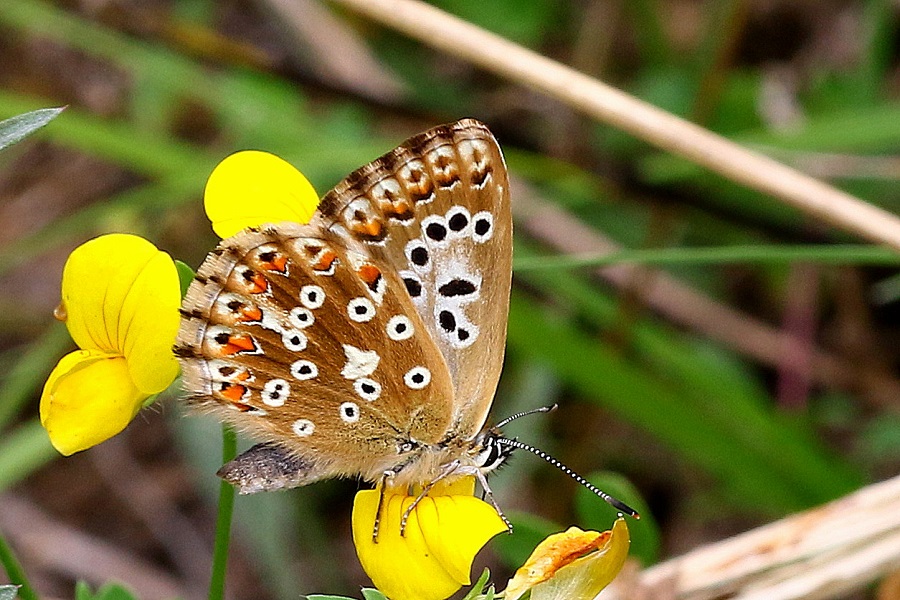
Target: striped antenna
(543, 409)
(612, 501)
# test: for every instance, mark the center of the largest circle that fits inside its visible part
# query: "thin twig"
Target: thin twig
(819, 554)
(646, 122)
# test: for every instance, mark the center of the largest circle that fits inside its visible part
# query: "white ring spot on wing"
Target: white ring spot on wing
(304, 370)
(303, 427)
(459, 221)
(482, 226)
(275, 392)
(360, 363)
(367, 389)
(400, 327)
(294, 340)
(312, 296)
(349, 412)
(361, 310)
(301, 317)
(417, 378)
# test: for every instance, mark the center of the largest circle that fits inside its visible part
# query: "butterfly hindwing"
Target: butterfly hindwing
(437, 210)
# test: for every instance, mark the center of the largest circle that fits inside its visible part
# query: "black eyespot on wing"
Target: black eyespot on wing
(368, 388)
(304, 370)
(222, 338)
(482, 226)
(447, 320)
(413, 287)
(419, 256)
(436, 232)
(457, 287)
(458, 222)
(462, 334)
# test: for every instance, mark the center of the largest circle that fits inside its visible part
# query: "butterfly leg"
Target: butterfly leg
(490, 496)
(384, 478)
(449, 468)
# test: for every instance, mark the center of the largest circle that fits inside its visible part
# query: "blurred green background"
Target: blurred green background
(713, 397)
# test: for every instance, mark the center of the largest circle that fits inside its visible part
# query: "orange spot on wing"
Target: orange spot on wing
(251, 313)
(238, 343)
(325, 259)
(370, 229)
(258, 283)
(234, 392)
(369, 274)
(279, 264)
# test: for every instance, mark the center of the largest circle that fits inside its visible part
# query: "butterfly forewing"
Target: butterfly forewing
(300, 341)
(437, 210)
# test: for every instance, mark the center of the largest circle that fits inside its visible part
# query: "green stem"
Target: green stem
(836, 254)
(223, 521)
(15, 572)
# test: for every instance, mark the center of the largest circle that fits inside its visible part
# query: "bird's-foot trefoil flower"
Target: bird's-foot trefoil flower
(573, 565)
(120, 298)
(250, 188)
(433, 556)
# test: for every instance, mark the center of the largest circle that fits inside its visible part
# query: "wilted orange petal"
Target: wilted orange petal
(574, 565)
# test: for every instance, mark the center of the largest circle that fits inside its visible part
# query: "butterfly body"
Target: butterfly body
(369, 341)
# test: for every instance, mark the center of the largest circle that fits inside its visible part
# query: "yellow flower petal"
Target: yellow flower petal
(88, 398)
(434, 557)
(121, 296)
(150, 320)
(250, 188)
(97, 278)
(574, 565)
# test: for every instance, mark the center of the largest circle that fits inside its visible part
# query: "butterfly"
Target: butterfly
(369, 341)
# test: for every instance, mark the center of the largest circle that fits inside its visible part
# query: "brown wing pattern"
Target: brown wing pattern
(298, 340)
(437, 210)
(381, 321)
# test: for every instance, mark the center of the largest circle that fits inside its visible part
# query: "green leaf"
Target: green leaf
(476, 590)
(8, 592)
(185, 276)
(21, 126)
(109, 591)
(373, 594)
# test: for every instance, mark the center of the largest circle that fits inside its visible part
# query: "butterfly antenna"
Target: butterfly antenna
(613, 501)
(543, 409)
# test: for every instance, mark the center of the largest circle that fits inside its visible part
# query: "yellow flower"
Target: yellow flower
(120, 298)
(250, 188)
(574, 565)
(433, 559)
